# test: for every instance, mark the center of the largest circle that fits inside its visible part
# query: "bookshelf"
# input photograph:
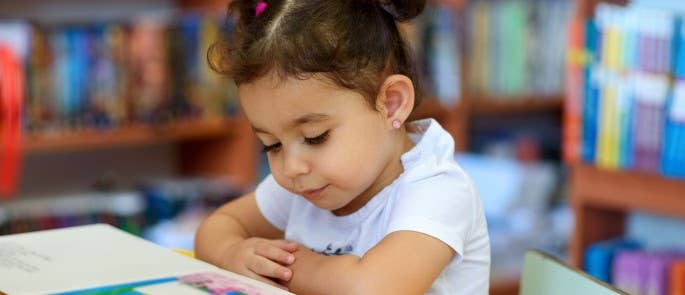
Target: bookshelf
(457, 119)
(218, 148)
(489, 105)
(472, 105)
(135, 134)
(221, 147)
(226, 148)
(601, 198)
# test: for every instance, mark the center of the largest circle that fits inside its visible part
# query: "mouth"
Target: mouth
(313, 194)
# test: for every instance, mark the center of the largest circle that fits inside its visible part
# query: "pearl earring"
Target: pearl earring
(396, 124)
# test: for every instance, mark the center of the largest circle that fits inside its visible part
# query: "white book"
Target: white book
(91, 259)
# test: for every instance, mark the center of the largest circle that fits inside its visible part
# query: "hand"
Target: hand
(261, 259)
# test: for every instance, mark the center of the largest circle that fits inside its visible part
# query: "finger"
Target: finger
(275, 254)
(286, 245)
(265, 267)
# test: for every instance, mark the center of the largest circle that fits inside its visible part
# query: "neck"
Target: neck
(390, 172)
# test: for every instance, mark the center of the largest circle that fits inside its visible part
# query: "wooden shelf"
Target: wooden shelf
(621, 190)
(586, 8)
(601, 199)
(127, 136)
(493, 105)
(456, 120)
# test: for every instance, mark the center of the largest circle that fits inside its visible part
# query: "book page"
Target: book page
(88, 257)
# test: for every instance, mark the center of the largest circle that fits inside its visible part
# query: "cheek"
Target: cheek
(351, 163)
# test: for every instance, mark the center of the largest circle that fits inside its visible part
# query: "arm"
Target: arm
(404, 262)
(238, 237)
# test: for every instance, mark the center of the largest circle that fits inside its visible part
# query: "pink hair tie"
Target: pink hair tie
(261, 6)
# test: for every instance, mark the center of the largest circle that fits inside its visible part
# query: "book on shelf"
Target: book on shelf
(575, 81)
(102, 75)
(630, 101)
(515, 48)
(677, 277)
(100, 259)
(599, 257)
(645, 260)
(13, 42)
(645, 272)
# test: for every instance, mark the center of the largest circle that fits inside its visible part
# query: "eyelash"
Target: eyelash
(311, 141)
(317, 140)
(269, 148)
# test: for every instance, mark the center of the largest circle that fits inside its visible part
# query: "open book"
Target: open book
(101, 259)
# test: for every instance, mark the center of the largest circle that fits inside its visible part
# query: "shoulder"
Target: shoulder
(444, 205)
(437, 182)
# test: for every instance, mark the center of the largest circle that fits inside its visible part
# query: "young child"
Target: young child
(359, 200)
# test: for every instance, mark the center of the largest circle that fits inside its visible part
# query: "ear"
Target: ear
(395, 99)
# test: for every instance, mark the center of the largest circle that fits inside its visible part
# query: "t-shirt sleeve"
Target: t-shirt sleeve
(445, 206)
(274, 202)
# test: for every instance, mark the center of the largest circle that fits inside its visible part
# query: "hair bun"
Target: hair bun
(403, 10)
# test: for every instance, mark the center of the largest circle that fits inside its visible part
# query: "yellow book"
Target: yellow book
(608, 154)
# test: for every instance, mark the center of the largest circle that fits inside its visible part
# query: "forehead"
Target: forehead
(272, 100)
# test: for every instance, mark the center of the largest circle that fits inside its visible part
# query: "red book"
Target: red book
(11, 100)
(574, 92)
(677, 279)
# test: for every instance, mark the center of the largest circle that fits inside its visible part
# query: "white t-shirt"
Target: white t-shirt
(432, 196)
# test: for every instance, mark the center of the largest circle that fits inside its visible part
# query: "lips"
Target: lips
(314, 194)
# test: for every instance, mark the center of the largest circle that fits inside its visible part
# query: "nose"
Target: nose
(294, 165)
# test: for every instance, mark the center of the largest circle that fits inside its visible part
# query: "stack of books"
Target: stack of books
(637, 271)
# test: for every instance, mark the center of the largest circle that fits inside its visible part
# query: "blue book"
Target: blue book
(73, 70)
(81, 72)
(679, 149)
(673, 153)
(592, 90)
(190, 26)
(59, 43)
(599, 257)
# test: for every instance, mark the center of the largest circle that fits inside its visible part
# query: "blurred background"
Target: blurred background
(568, 114)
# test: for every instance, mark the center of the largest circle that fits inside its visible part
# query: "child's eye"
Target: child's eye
(317, 140)
(271, 148)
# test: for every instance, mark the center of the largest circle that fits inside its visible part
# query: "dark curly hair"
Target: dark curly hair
(354, 43)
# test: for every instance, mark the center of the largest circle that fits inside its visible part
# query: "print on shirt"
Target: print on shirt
(335, 250)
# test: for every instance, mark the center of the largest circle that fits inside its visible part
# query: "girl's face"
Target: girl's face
(324, 143)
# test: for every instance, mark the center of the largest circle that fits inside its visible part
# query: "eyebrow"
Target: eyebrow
(308, 118)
